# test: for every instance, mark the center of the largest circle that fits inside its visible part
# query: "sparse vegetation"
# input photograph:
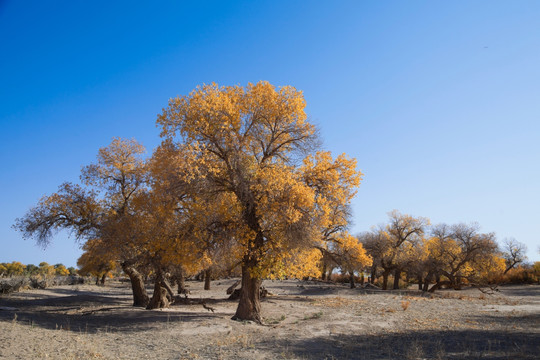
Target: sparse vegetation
(336, 322)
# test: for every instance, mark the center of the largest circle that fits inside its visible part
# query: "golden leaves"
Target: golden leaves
(351, 253)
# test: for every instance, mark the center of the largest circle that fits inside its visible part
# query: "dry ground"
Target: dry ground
(304, 320)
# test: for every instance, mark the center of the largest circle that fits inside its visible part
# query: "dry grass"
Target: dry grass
(405, 304)
(314, 321)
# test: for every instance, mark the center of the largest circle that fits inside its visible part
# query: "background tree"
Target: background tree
(96, 260)
(376, 246)
(32, 269)
(334, 183)
(45, 269)
(460, 252)
(61, 270)
(14, 268)
(395, 244)
(3, 269)
(513, 253)
(351, 255)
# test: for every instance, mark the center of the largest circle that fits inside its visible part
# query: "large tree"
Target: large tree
(249, 143)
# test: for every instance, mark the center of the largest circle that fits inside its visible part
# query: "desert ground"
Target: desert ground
(303, 320)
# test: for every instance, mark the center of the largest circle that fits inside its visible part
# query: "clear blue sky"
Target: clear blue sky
(438, 101)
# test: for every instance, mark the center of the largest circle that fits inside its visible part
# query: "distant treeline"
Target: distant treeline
(16, 268)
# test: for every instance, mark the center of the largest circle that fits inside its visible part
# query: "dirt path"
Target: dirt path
(304, 320)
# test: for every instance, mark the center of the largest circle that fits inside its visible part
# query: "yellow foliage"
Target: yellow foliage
(241, 142)
(351, 253)
(15, 268)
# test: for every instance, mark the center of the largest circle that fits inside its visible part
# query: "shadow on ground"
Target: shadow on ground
(88, 312)
(412, 345)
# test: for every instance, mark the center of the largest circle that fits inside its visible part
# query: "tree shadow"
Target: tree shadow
(93, 313)
(411, 345)
(520, 290)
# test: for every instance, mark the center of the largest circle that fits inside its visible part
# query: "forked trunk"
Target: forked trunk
(397, 275)
(249, 307)
(140, 297)
(159, 298)
(207, 278)
(427, 281)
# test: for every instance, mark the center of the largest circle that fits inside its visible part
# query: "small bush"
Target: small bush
(18, 283)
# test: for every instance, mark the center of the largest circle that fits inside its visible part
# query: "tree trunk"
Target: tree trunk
(181, 282)
(159, 298)
(330, 271)
(351, 279)
(103, 279)
(397, 275)
(373, 273)
(323, 271)
(207, 278)
(167, 286)
(457, 283)
(97, 279)
(419, 278)
(249, 307)
(385, 279)
(362, 278)
(427, 281)
(140, 297)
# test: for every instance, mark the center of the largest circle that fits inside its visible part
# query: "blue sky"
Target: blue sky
(438, 101)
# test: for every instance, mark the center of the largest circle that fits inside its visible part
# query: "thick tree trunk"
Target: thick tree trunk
(323, 270)
(103, 279)
(457, 283)
(207, 278)
(140, 297)
(419, 278)
(351, 280)
(159, 298)
(385, 279)
(397, 275)
(97, 280)
(427, 281)
(249, 307)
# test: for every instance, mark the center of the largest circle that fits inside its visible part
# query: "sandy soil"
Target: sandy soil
(304, 320)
